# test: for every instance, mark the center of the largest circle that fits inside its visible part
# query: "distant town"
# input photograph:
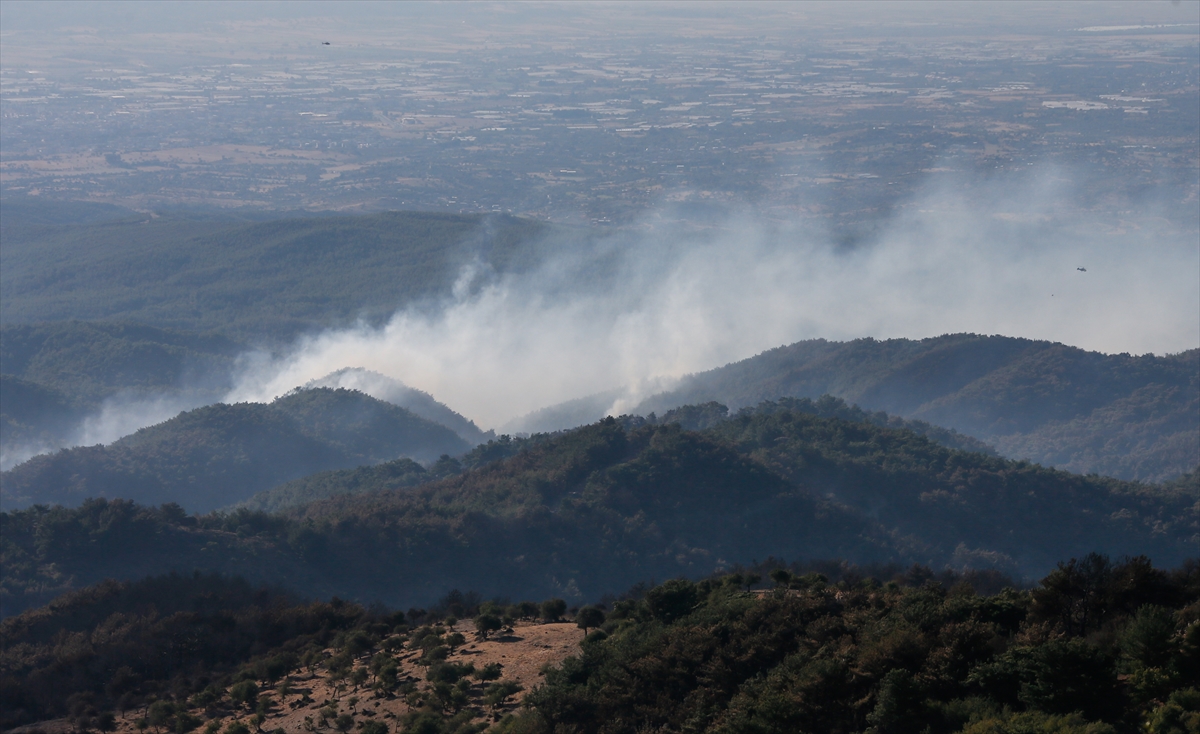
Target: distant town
(600, 127)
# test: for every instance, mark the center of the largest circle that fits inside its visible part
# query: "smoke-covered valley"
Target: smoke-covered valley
(335, 337)
(664, 299)
(622, 316)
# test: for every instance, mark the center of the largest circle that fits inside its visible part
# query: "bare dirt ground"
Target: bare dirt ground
(522, 655)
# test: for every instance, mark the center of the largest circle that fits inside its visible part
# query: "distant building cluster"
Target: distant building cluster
(822, 126)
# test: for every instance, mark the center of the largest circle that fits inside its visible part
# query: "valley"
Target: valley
(599, 368)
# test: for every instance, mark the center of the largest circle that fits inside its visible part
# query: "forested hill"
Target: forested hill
(89, 361)
(968, 508)
(222, 454)
(1131, 417)
(248, 279)
(53, 375)
(397, 393)
(600, 508)
(363, 480)
(1097, 647)
(939, 504)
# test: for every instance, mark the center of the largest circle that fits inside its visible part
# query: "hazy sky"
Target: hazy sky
(209, 16)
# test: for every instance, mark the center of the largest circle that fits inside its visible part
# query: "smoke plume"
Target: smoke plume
(667, 298)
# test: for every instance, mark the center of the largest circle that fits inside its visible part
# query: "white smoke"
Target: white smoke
(668, 299)
(119, 415)
(624, 317)
(12, 453)
(123, 414)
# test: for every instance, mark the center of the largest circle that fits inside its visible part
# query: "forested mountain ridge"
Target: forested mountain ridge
(1097, 647)
(249, 279)
(221, 454)
(364, 480)
(1125, 416)
(34, 416)
(54, 375)
(47, 551)
(599, 508)
(88, 361)
(942, 505)
(395, 392)
(24, 213)
(973, 509)
(267, 282)
(325, 484)
(516, 524)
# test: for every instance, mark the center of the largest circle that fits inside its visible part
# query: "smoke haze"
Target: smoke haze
(996, 257)
(621, 319)
(119, 415)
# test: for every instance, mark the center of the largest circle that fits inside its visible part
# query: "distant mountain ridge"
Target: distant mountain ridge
(88, 361)
(336, 482)
(297, 493)
(1120, 415)
(596, 509)
(33, 417)
(221, 454)
(382, 387)
(252, 280)
(54, 375)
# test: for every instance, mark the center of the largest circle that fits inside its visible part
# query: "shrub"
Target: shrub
(589, 617)
(244, 693)
(553, 609)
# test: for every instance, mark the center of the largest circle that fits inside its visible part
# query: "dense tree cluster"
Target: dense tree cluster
(259, 279)
(968, 503)
(181, 651)
(646, 500)
(116, 646)
(1096, 647)
(360, 480)
(218, 455)
(1127, 416)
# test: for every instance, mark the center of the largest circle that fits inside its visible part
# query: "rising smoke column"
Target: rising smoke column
(665, 300)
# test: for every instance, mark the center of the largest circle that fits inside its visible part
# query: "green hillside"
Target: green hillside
(600, 508)
(968, 508)
(381, 477)
(367, 479)
(395, 392)
(1097, 647)
(221, 454)
(54, 375)
(325, 484)
(33, 414)
(942, 505)
(593, 510)
(249, 279)
(547, 520)
(810, 656)
(89, 361)
(1121, 415)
